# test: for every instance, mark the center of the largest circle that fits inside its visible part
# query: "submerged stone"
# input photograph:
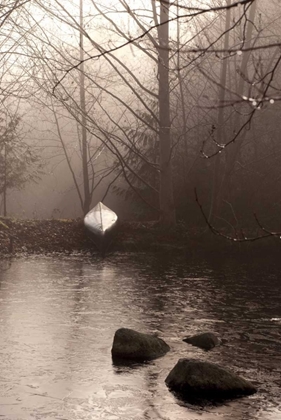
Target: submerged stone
(205, 341)
(133, 345)
(194, 379)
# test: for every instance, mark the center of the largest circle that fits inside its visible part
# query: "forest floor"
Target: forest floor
(70, 236)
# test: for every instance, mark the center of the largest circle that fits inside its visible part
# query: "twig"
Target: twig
(215, 231)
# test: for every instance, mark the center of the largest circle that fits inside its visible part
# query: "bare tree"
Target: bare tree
(19, 163)
(119, 39)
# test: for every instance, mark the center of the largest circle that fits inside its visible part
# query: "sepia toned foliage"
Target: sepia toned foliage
(19, 162)
(180, 95)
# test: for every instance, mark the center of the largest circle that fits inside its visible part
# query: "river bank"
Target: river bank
(70, 236)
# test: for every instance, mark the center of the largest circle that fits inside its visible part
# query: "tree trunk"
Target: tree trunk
(84, 148)
(185, 169)
(166, 198)
(217, 181)
(5, 181)
(233, 150)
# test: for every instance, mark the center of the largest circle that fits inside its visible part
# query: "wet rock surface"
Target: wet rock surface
(132, 345)
(205, 341)
(194, 380)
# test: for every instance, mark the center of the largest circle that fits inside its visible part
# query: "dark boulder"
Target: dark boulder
(205, 341)
(194, 379)
(132, 345)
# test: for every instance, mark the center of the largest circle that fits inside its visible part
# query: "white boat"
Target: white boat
(100, 221)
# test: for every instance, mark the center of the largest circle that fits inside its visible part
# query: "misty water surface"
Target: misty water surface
(58, 318)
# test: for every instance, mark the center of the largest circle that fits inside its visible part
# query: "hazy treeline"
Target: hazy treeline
(149, 100)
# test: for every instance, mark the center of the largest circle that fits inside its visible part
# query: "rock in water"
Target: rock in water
(132, 345)
(194, 379)
(205, 341)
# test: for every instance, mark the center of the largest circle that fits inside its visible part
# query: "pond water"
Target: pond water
(59, 315)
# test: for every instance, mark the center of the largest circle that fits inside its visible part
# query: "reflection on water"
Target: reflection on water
(58, 318)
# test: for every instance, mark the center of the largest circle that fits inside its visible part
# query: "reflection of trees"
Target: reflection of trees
(70, 310)
(224, 296)
(240, 288)
(5, 265)
(145, 376)
(169, 300)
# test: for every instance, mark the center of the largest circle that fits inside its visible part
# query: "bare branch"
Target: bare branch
(239, 237)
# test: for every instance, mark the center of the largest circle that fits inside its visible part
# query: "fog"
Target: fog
(123, 121)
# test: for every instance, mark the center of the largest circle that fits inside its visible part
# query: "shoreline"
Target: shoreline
(70, 236)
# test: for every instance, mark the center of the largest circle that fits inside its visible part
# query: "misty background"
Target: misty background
(83, 80)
